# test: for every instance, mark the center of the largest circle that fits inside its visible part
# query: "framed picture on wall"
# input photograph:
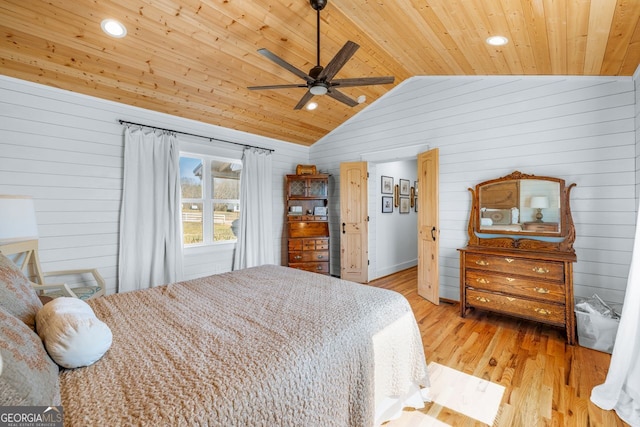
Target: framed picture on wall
(387, 185)
(404, 205)
(404, 187)
(387, 204)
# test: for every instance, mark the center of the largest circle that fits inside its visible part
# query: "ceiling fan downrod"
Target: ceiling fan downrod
(317, 5)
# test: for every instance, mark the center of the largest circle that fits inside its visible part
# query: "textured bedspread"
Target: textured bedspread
(262, 346)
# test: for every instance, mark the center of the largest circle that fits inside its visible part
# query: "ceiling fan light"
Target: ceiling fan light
(312, 106)
(318, 90)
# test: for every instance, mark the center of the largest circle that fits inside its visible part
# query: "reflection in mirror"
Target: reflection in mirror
(520, 206)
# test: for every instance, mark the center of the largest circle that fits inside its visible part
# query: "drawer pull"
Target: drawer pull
(510, 279)
(319, 268)
(541, 290)
(483, 299)
(482, 262)
(542, 311)
(511, 299)
(540, 270)
(482, 280)
(509, 260)
(297, 257)
(320, 256)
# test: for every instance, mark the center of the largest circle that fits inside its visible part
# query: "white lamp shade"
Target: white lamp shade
(540, 202)
(17, 218)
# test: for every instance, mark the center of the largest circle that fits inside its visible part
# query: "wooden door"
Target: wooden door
(354, 250)
(428, 226)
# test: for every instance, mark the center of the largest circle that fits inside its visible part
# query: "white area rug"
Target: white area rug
(465, 394)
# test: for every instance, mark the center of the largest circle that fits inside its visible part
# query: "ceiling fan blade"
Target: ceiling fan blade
(284, 64)
(275, 87)
(303, 101)
(362, 81)
(342, 97)
(338, 61)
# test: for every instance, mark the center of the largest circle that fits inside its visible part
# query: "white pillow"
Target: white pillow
(71, 332)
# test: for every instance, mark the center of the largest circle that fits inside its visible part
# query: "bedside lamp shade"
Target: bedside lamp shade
(540, 202)
(17, 218)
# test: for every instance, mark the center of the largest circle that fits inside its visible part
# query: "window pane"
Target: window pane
(225, 180)
(224, 215)
(191, 178)
(192, 223)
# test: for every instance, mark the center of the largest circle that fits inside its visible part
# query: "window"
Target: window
(210, 199)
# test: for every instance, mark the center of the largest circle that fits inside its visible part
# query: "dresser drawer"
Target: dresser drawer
(306, 256)
(540, 269)
(516, 285)
(315, 267)
(553, 314)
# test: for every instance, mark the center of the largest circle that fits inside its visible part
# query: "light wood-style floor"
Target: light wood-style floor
(548, 383)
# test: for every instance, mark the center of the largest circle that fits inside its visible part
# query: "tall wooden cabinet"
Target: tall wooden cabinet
(308, 222)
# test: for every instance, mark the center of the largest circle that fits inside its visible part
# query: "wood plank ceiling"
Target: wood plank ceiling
(195, 58)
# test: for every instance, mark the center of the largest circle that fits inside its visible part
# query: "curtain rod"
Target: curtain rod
(122, 122)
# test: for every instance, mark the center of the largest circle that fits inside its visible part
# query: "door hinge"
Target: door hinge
(368, 262)
(367, 174)
(367, 218)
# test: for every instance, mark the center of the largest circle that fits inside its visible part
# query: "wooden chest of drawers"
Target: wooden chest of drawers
(311, 254)
(532, 285)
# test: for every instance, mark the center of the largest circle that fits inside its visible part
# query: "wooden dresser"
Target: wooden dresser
(532, 285)
(307, 222)
(522, 268)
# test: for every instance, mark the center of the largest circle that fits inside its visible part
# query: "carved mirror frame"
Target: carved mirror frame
(509, 186)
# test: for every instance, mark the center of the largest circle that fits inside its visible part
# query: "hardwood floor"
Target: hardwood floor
(547, 382)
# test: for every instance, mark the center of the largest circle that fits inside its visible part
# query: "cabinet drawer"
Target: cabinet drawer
(535, 310)
(540, 269)
(305, 256)
(315, 267)
(315, 244)
(295, 245)
(308, 229)
(516, 285)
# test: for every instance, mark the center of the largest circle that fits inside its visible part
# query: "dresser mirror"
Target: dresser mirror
(520, 210)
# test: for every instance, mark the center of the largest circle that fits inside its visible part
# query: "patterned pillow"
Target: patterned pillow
(17, 296)
(29, 377)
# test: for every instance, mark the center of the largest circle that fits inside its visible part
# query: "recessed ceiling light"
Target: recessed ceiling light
(312, 106)
(361, 99)
(497, 40)
(113, 28)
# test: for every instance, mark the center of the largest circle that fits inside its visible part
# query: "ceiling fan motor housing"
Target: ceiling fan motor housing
(318, 4)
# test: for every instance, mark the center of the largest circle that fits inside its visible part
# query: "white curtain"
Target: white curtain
(255, 237)
(150, 221)
(621, 389)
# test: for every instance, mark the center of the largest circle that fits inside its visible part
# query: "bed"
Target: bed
(267, 345)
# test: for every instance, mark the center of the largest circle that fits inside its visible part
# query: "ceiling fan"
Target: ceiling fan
(319, 80)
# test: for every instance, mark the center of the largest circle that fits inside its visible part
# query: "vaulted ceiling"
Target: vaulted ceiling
(196, 58)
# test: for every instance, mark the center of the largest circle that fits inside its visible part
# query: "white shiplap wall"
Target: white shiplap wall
(66, 149)
(636, 80)
(580, 129)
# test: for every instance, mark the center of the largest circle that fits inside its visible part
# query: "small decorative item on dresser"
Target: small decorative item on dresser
(306, 170)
